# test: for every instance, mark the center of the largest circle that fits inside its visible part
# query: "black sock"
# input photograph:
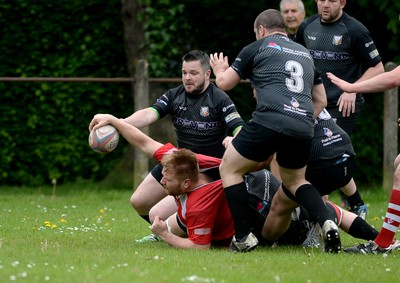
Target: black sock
(355, 200)
(362, 230)
(308, 196)
(145, 217)
(237, 198)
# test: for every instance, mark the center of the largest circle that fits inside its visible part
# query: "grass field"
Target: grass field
(87, 234)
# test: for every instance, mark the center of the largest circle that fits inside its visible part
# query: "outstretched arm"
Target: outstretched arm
(139, 119)
(226, 78)
(132, 134)
(378, 83)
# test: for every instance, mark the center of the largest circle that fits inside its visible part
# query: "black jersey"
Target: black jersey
(283, 74)
(202, 121)
(261, 187)
(344, 48)
(330, 142)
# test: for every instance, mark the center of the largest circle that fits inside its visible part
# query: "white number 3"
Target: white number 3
(296, 81)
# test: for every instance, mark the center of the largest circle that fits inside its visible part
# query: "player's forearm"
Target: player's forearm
(380, 82)
(135, 137)
(142, 118)
(182, 243)
(319, 99)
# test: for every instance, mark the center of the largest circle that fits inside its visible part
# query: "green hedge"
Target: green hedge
(46, 123)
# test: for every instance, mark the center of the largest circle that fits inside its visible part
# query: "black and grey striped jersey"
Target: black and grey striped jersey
(201, 121)
(330, 141)
(283, 74)
(344, 48)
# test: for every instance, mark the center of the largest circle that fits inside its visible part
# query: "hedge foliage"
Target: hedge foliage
(45, 124)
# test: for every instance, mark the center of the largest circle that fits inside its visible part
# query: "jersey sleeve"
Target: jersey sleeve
(200, 221)
(163, 104)
(229, 114)
(364, 46)
(207, 162)
(166, 148)
(243, 64)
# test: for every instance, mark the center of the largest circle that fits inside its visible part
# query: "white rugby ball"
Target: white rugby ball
(104, 139)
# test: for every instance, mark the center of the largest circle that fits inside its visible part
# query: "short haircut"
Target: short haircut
(299, 2)
(198, 55)
(272, 20)
(183, 163)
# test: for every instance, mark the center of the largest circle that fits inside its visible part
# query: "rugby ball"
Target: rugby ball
(104, 139)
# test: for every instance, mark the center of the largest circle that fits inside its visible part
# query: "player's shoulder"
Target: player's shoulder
(309, 20)
(214, 89)
(176, 91)
(216, 94)
(352, 24)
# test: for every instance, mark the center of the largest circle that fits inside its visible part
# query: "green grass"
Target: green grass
(93, 240)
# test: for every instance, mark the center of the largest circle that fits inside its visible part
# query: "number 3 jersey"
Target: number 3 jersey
(283, 74)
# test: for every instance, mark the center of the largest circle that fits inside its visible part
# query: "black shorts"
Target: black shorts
(333, 177)
(347, 123)
(156, 172)
(257, 143)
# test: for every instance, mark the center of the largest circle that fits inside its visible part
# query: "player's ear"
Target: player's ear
(207, 74)
(187, 183)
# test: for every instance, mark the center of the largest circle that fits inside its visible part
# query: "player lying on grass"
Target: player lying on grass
(203, 217)
(384, 242)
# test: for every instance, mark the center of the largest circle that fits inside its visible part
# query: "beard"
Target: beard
(196, 90)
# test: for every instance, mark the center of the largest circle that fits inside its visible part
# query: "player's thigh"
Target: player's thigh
(253, 144)
(147, 194)
(164, 208)
(234, 163)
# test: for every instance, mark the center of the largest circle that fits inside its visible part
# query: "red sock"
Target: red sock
(391, 223)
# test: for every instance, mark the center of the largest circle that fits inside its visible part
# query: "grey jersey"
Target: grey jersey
(283, 74)
(343, 48)
(202, 121)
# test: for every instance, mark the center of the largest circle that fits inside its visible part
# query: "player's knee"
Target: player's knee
(397, 162)
(139, 204)
(135, 202)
